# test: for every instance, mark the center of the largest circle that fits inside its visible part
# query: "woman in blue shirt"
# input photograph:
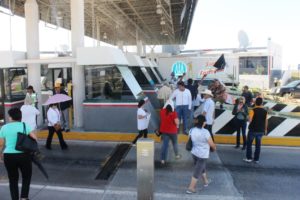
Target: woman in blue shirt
(16, 160)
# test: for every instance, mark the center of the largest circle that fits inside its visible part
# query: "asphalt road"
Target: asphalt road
(72, 175)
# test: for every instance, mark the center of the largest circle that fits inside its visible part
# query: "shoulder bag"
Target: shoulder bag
(25, 143)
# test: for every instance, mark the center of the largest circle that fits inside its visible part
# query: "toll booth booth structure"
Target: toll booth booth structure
(13, 82)
(111, 92)
(137, 67)
(156, 71)
(150, 70)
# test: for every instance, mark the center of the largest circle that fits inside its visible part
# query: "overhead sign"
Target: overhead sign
(179, 68)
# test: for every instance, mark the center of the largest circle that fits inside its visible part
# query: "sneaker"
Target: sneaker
(209, 182)
(178, 157)
(163, 162)
(256, 161)
(188, 191)
(247, 160)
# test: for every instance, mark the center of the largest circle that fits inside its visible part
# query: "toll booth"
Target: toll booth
(111, 92)
(156, 71)
(13, 82)
(148, 67)
(137, 67)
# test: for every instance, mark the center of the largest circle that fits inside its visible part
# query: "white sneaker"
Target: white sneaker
(247, 160)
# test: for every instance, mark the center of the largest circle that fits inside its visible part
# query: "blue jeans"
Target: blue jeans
(183, 113)
(251, 136)
(165, 145)
(240, 124)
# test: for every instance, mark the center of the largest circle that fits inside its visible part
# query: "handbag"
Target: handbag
(57, 127)
(189, 144)
(25, 143)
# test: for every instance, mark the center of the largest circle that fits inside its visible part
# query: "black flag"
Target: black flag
(220, 64)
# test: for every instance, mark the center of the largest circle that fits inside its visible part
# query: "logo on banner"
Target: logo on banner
(179, 68)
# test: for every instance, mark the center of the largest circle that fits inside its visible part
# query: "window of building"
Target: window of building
(140, 77)
(15, 80)
(106, 83)
(153, 77)
(253, 65)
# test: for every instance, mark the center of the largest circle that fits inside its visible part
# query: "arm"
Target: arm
(266, 125)
(2, 149)
(212, 144)
(173, 95)
(251, 113)
(176, 120)
(190, 100)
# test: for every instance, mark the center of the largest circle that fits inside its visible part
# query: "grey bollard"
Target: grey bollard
(145, 169)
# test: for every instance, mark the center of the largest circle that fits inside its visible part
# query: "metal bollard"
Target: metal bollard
(145, 169)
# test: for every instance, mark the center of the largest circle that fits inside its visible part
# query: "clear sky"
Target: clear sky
(216, 24)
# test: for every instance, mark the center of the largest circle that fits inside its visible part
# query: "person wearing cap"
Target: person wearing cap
(31, 94)
(183, 101)
(208, 110)
(29, 113)
(63, 106)
(142, 118)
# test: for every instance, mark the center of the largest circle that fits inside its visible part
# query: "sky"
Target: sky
(216, 24)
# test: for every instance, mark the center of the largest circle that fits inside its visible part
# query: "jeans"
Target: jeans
(14, 162)
(165, 145)
(65, 119)
(258, 137)
(240, 124)
(183, 113)
(141, 134)
(62, 143)
(209, 128)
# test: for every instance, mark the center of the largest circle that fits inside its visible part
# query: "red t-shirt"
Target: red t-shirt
(167, 123)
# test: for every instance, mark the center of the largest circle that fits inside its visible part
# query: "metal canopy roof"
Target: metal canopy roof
(156, 21)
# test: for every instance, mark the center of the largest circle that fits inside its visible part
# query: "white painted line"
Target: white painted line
(222, 120)
(288, 108)
(270, 104)
(284, 127)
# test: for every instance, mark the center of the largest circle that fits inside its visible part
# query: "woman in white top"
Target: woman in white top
(202, 143)
(142, 121)
(29, 113)
(53, 116)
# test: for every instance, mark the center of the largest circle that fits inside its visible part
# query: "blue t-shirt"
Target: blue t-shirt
(10, 133)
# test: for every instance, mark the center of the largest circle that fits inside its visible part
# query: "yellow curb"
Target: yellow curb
(128, 137)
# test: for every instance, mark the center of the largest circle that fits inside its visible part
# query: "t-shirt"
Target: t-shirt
(200, 139)
(167, 123)
(142, 123)
(248, 97)
(29, 114)
(9, 133)
(209, 109)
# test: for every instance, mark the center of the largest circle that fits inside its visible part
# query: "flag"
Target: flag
(220, 64)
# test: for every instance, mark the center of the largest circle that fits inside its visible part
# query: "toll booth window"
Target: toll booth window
(140, 77)
(158, 73)
(153, 77)
(15, 80)
(105, 83)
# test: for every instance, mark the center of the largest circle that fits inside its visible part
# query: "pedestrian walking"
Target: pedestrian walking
(142, 121)
(164, 94)
(16, 160)
(240, 112)
(53, 117)
(64, 107)
(32, 94)
(202, 143)
(183, 102)
(168, 128)
(29, 113)
(208, 110)
(247, 95)
(258, 126)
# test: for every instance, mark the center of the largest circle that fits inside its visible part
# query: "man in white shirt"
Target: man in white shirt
(183, 102)
(29, 113)
(209, 110)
